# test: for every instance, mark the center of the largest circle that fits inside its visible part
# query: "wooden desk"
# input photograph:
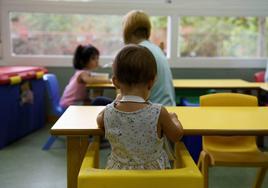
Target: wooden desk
(235, 85)
(213, 84)
(100, 86)
(200, 84)
(78, 122)
(264, 87)
(81, 120)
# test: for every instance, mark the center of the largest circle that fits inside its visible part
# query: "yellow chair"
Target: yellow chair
(231, 150)
(187, 175)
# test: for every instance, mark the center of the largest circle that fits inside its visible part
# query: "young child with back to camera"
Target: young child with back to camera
(86, 59)
(133, 125)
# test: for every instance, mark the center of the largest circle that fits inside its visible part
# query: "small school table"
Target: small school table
(79, 122)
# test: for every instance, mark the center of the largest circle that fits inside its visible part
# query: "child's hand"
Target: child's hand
(170, 125)
(173, 115)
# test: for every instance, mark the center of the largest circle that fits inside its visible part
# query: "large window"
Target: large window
(218, 37)
(208, 33)
(59, 34)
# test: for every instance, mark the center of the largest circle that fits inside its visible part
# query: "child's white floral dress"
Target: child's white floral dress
(133, 138)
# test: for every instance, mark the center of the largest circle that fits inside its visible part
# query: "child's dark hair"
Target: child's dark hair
(134, 64)
(83, 54)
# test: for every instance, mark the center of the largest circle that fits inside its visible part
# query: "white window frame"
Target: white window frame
(120, 7)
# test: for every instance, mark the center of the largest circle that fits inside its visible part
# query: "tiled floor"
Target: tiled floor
(24, 165)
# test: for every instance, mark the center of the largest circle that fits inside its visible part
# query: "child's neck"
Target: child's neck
(137, 91)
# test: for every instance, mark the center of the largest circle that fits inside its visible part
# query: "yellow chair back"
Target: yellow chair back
(228, 99)
(229, 143)
(187, 175)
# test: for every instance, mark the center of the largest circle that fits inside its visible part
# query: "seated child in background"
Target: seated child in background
(133, 125)
(86, 58)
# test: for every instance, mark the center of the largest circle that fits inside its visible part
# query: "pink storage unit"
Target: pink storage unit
(22, 99)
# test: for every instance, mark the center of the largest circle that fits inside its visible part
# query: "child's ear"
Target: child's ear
(115, 82)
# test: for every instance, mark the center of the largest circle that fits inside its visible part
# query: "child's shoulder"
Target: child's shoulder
(154, 108)
(156, 105)
(77, 72)
(110, 106)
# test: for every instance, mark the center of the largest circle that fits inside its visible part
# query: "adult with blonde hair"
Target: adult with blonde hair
(137, 30)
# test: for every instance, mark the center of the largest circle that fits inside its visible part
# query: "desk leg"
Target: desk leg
(260, 177)
(76, 148)
(260, 141)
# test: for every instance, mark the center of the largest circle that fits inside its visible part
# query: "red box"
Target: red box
(6, 73)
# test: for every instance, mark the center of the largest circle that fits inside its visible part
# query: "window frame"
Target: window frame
(173, 11)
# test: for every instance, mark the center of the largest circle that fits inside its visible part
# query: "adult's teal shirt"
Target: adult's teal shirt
(163, 90)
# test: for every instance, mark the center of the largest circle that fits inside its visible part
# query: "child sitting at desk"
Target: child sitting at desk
(86, 58)
(133, 125)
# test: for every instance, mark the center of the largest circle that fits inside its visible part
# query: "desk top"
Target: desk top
(102, 86)
(213, 84)
(264, 87)
(81, 120)
(200, 84)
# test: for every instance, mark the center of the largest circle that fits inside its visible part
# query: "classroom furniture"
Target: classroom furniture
(190, 97)
(262, 96)
(184, 174)
(212, 84)
(231, 150)
(78, 122)
(182, 86)
(198, 84)
(264, 87)
(259, 76)
(187, 87)
(22, 100)
(204, 86)
(52, 88)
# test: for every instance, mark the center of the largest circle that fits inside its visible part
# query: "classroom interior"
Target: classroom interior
(221, 39)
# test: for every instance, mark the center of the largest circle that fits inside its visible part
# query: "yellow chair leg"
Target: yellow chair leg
(203, 165)
(200, 162)
(260, 176)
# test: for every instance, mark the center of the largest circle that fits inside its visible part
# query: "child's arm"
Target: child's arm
(100, 120)
(170, 125)
(86, 78)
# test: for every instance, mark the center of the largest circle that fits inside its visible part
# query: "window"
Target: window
(199, 34)
(59, 34)
(218, 37)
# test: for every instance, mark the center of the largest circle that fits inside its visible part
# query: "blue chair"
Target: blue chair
(54, 97)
